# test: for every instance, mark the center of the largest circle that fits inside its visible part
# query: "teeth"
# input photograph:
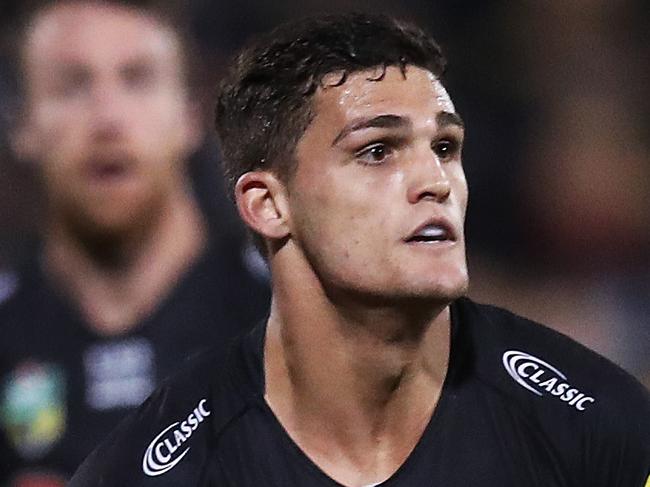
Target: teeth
(432, 232)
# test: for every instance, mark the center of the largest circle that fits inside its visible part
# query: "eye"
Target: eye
(137, 75)
(374, 154)
(446, 148)
(72, 83)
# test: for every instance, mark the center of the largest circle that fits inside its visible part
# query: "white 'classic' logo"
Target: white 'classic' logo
(163, 453)
(538, 376)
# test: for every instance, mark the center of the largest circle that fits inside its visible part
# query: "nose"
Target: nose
(429, 179)
(108, 113)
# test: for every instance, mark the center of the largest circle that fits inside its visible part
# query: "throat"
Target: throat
(356, 408)
(354, 444)
(116, 282)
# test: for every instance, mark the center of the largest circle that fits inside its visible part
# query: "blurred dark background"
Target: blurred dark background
(556, 99)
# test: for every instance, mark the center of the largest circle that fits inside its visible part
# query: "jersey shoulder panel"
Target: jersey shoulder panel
(168, 439)
(587, 408)
(532, 354)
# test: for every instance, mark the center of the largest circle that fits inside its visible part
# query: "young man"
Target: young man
(344, 150)
(127, 283)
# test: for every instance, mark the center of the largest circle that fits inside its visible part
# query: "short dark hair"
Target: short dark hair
(264, 102)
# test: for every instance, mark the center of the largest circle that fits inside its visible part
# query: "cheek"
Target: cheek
(163, 111)
(59, 178)
(164, 128)
(323, 212)
(56, 127)
(360, 223)
(460, 189)
(346, 207)
(62, 142)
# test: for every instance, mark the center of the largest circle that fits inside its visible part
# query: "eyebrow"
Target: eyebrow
(443, 119)
(381, 121)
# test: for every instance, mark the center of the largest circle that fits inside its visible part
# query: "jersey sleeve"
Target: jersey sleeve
(618, 448)
(112, 463)
(592, 416)
(163, 444)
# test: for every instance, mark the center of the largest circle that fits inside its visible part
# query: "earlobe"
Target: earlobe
(261, 201)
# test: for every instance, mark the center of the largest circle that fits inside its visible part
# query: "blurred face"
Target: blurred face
(379, 195)
(107, 114)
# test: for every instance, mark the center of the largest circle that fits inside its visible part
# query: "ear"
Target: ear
(262, 204)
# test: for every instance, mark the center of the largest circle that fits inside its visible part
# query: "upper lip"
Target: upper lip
(444, 223)
(110, 162)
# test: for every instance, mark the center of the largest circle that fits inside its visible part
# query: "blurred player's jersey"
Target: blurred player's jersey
(521, 406)
(63, 387)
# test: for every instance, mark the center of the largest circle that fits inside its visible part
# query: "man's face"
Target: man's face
(378, 196)
(106, 113)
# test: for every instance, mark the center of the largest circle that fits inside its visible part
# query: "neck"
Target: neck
(369, 375)
(116, 280)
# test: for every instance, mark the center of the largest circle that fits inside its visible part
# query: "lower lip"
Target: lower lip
(108, 174)
(432, 244)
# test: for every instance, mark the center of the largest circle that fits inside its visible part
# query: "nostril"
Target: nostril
(438, 191)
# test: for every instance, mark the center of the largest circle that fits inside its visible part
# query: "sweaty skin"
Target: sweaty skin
(380, 161)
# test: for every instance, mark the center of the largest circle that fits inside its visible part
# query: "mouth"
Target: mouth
(108, 169)
(432, 232)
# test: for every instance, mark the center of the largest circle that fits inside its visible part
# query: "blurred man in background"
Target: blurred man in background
(128, 281)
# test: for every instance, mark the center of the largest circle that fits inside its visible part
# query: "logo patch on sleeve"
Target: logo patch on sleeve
(166, 449)
(33, 408)
(541, 378)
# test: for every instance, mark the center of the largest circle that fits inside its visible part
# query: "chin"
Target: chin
(99, 224)
(442, 288)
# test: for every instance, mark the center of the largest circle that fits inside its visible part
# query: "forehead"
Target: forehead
(415, 93)
(95, 33)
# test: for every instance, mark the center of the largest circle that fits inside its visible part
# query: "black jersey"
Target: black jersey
(521, 406)
(63, 387)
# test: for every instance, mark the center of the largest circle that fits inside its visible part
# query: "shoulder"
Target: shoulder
(22, 287)
(171, 433)
(13, 292)
(532, 354)
(239, 256)
(8, 286)
(30, 308)
(233, 277)
(579, 402)
(19, 304)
